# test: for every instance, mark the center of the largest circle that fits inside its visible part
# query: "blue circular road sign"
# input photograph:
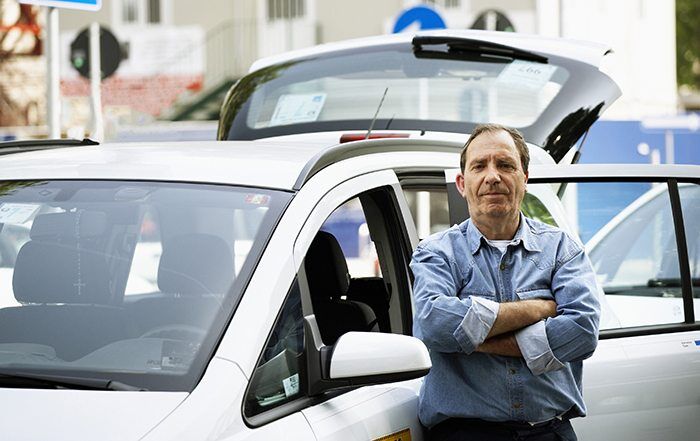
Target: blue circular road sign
(425, 17)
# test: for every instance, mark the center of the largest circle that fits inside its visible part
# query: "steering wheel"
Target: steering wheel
(176, 332)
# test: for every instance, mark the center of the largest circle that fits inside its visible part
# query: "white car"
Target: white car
(197, 290)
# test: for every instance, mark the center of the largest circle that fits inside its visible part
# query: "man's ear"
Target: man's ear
(459, 183)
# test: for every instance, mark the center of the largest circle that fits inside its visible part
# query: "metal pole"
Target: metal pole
(97, 132)
(53, 97)
(670, 148)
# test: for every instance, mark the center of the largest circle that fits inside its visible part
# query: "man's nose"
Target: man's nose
(492, 175)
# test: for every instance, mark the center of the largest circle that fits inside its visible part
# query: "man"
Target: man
(507, 307)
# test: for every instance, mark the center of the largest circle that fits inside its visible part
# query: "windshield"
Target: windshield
(127, 281)
(344, 90)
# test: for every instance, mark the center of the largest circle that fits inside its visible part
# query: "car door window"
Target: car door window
(628, 232)
(690, 203)
(276, 379)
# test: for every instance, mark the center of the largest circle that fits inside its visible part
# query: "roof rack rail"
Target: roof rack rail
(9, 147)
(340, 152)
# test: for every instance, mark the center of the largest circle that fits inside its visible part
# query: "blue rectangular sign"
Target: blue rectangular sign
(87, 5)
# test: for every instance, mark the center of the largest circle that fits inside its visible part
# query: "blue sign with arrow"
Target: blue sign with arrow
(88, 5)
(423, 16)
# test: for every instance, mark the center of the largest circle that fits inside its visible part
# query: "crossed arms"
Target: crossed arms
(545, 333)
(512, 317)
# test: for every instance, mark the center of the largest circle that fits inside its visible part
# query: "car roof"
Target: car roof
(585, 51)
(280, 164)
(251, 163)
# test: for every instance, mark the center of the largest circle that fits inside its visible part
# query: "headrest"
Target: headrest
(326, 268)
(47, 272)
(81, 224)
(195, 264)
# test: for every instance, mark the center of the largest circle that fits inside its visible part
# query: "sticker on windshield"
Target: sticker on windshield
(526, 74)
(257, 199)
(17, 213)
(297, 108)
(291, 385)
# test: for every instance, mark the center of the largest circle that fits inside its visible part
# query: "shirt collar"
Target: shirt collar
(523, 235)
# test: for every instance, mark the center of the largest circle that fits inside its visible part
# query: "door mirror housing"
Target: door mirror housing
(361, 358)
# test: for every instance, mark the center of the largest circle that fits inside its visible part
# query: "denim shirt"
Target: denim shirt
(460, 280)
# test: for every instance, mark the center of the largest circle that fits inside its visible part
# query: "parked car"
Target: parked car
(198, 290)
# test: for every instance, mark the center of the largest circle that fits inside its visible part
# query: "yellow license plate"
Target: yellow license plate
(404, 435)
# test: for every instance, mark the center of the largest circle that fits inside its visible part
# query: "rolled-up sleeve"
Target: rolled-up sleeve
(445, 322)
(534, 345)
(573, 334)
(477, 324)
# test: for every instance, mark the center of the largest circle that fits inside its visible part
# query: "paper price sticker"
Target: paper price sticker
(291, 385)
(17, 213)
(297, 108)
(526, 74)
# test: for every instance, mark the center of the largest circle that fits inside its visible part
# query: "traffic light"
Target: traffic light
(111, 52)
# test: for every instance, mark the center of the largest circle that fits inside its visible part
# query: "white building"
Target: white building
(197, 49)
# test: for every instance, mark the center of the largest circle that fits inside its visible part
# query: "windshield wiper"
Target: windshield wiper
(458, 47)
(670, 282)
(25, 379)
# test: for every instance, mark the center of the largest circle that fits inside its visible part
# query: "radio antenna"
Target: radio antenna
(371, 125)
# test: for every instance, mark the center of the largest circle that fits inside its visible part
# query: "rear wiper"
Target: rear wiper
(458, 47)
(25, 379)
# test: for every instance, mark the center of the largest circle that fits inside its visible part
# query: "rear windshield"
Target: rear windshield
(416, 92)
(123, 281)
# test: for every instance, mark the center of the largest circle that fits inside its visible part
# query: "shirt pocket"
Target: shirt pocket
(535, 293)
(471, 292)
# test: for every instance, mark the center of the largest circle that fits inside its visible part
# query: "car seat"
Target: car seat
(63, 283)
(328, 278)
(194, 274)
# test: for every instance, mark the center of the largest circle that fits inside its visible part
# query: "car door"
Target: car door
(639, 226)
(382, 411)
(363, 219)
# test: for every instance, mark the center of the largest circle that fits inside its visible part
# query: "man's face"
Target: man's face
(493, 181)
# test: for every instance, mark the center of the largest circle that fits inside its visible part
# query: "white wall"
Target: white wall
(643, 35)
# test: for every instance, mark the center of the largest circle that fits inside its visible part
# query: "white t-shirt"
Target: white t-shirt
(500, 244)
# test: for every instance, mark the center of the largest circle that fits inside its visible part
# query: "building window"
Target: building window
(285, 9)
(140, 12)
(447, 4)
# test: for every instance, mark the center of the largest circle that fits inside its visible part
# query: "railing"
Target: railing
(231, 47)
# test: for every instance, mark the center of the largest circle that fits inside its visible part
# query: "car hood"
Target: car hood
(38, 414)
(583, 92)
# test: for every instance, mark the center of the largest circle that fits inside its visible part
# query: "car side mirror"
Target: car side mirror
(360, 359)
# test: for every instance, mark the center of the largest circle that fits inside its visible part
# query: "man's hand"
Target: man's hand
(516, 315)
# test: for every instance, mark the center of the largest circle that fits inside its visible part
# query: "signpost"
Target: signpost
(418, 18)
(53, 97)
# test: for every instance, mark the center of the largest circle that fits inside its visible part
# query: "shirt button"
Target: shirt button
(503, 266)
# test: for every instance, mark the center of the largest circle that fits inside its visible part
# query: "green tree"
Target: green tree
(688, 43)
